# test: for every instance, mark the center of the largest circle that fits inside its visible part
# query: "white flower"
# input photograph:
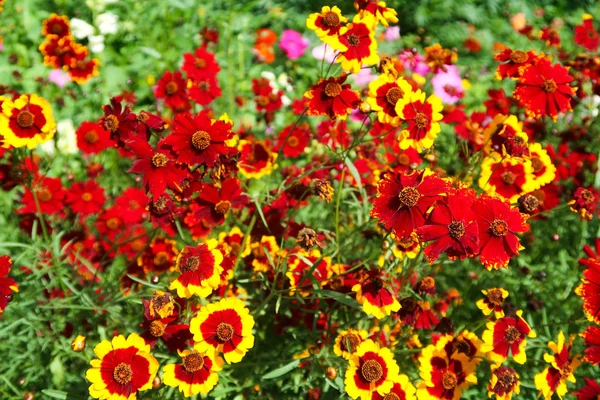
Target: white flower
(98, 5)
(80, 28)
(96, 43)
(590, 105)
(48, 147)
(67, 139)
(107, 23)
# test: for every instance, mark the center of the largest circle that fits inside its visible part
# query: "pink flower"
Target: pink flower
(392, 33)
(364, 77)
(59, 77)
(414, 62)
(324, 52)
(448, 85)
(293, 44)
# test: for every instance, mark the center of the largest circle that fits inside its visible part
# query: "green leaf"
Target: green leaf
(58, 371)
(55, 394)
(340, 298)
(151, 52)
(282, 370)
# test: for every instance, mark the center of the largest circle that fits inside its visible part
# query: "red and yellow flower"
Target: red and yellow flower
(503, 383)
(375, 298)
(591, 338)
(256, 159)
(55, 24)
(197, 373)
(586, 35)
(226, 327)
(402, 390)
(493, 302)
(331, 97)
(359, 44)
(544, 171)
(7, 285)
(371, 369)
(507, 335)
(554, 378)
(347, 341)
(384, 94)
(378, 10)
(589, 290)
(328, 25)
(422, 117)
(506, 176)
(123, 368)
(27, 121)
(200, 269)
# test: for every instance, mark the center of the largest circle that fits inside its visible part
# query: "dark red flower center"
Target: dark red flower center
(159, 160)
(377, 283)
(393, 95)
(537, 164)
(123, 373)
(403, 159)
(461, 346)
(111, 123)
(511, 334)
(44, 195)
(587, 196)
(193, 362)
(456, 229)
(142, 117)
(161, 258)
(451, 90)
(499, 228)
(262, 101)
(331, 19)
(333, 89)
(449, 380)
(549, 86)
(200, 63)
(191, 264)
(409, 196)
(508, 178)
(518, 57)
(224, 332)
(91, 137)
(87, 196)
(222, 206)
(353, 40)
(371, 371)
(157, 328)
(160, 205)
(391, 396)
(293, 141)
(421, 120)
(506, 379)
(495, 296)
(566, 370)
(171, 88)
(349, 342)
(113, 223)
(201, 140)
(25, 119)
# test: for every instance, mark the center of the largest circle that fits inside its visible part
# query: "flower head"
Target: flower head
(26, 121)
(554, 378)
(7, 285)
(331, 97)
(422, 117)
(196, 374)
(384, 94)
(507, 335)
(200, 269)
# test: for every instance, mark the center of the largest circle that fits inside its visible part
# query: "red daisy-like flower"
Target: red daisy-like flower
(514, 62)
(591, 390)
(544, 89)
(589, 290)
(584, 203)
(403, 198)
(56, 25)
(110, 224)
(198, 140)
(172, 87)
(550, 36)
(159, 256)
(498, 225)
(92, 138)
(506, 335)
(334, 133)
(85, 198)
(204, 91)
(132, 203)
(50, 196)
(157, 167)
(376, 299)
(7, 285)
(498, 103)
(118, 120)
(200, 269)
(331, 97)
(448, 378)
(586, 35)
(58, 51)
(451, 227)
(417, 314)
(81, 68)
(200, 65)
(294, 139)
(359, 44)
(213, 204)
(175, 336)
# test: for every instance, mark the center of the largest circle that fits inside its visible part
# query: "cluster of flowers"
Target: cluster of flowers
(60, 50)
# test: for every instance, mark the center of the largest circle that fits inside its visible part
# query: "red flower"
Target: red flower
(498, 103)
(544, 89)
(403, 198)
(92, 138)
(213, 204)
(514, 63)
(334, 133)
(591, 390)
(589, 291)
(376, 299)
(50, 195)
(56, 25)
(358, 44)
(204, 91)
(586, 35)
(584, 203)
(200, 66)
(331, 97)
(417, 314)
(172, 87)
(452, 227)
(591, 336)
(176, 337)
(198, 140)
(118, 120)
(80, 68)
(296, 138)
(157, 167)
(85, 198)
(132, 204)
(550, 36)
(498, 225)
(7, 285)
(507, 334)
(110, 223)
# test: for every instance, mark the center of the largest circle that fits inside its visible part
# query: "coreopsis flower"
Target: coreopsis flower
(452, 227)
(157, 167)
(50, 196)
(78, 343)
(544, 89)
(118, 120)
(347, 341)
(161, 304)
(56, 25)
(197, 373)
(293, 139)
(359, 44)
(26, 121)
(503, 383)
(554, 378)
(417, 314)
(403, 198)
(200, 268)
(438, 57)
(123, 368)
(584, 203)
(331, 97)
(175, 336)
(302, 274)
(507, 335)
(58, 51)
(224, 327)
(591, 338)
(444, 377)
(213, 204)
(493, 302)
(261, 254)
(384, 94)
(374, 297)
(590, 391)
(196, 139)
(7, 285)
(505, 135)
(133, 202)
(92, 138)
(80, 68)
(498, 103)
(159, 256)
(371, 369)
(498, 225)
(204, 91)
(589, 290)
(256, 159)
(586, 35)
(328, 25)
(422, 117)
(85, 198)
(172, 87)
(200, 65)
(550, 36)
(378, 10)
(544, 171)
(506, 176)
(514, 62)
